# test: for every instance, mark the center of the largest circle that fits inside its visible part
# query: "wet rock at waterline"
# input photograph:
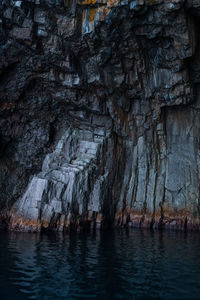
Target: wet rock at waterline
(99, 114)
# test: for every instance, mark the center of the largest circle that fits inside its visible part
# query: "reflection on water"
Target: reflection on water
(111, 265)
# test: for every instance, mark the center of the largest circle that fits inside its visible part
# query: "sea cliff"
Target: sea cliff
(99, 114)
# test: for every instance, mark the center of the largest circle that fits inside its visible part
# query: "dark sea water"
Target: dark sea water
(110, 265)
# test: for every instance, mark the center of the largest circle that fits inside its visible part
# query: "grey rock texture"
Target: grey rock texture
(99, 114)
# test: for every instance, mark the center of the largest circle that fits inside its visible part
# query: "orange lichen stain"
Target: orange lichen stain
(169, 213)
(92, 14)
(20, 224)
(88, 2)
(102, 11)
(109, 3)
(19, 221)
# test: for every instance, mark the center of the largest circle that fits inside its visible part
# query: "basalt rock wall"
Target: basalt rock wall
(99, 114)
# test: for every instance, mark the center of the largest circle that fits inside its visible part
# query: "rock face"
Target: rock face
(100, 114)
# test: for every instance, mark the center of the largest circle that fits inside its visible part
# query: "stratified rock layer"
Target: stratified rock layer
(100, 114)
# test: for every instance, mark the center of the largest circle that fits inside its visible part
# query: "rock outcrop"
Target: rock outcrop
(100, 114)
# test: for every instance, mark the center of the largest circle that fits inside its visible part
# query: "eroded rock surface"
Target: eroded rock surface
(100, 114)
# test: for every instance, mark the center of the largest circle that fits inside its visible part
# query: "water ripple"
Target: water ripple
(112, 265)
